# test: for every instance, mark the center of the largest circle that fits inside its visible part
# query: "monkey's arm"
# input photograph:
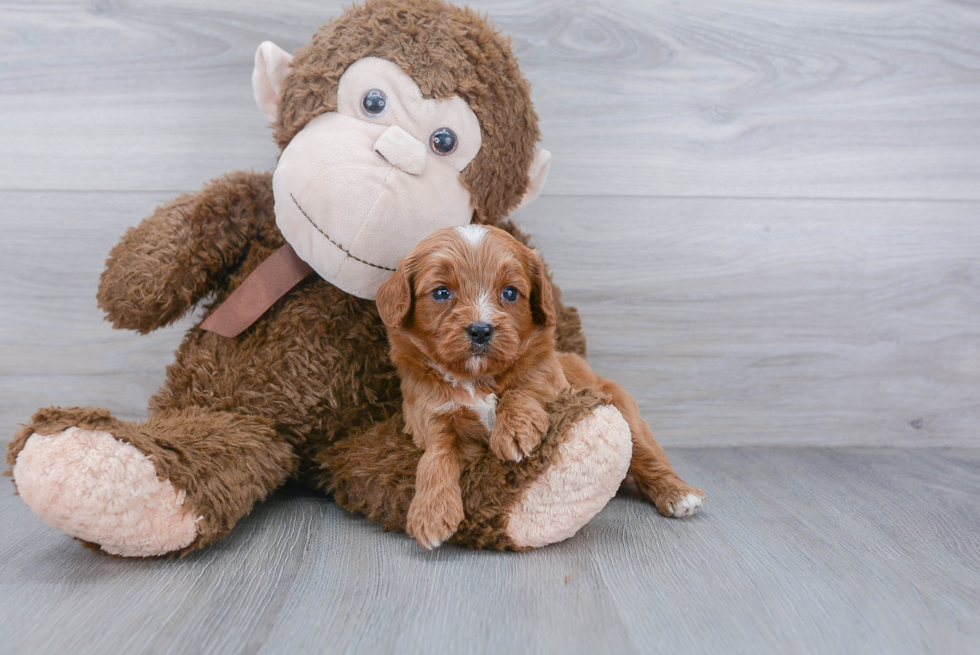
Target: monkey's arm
(186, 248)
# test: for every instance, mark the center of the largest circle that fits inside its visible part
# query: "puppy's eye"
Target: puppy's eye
(509, 294)
(443, 141)
(441, 294)
(374, 103)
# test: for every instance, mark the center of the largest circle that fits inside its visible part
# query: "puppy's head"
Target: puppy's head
(471, 299)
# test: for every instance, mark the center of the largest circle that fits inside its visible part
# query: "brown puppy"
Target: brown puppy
(471, 320)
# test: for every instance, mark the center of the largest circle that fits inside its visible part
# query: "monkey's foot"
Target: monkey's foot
(102, 490)
(591, 464)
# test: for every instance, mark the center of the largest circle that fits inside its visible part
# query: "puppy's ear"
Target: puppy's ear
(396, 297)
(542, 295)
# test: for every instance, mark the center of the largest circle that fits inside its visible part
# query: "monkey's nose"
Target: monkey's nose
(402, 150)
(480, 333)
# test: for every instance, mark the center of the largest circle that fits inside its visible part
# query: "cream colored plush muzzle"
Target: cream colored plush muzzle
(355, 192)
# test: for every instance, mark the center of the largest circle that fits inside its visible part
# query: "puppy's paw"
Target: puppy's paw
(679, 501)
(515, 437)
(433, 518)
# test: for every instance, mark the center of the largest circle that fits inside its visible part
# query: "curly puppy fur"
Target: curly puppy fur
(467, 390)
(471, 317)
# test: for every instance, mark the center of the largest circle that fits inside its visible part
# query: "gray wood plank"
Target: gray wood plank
(823, 551)
(733, 322)
(797, 551)
(55, 347)
(787, 322)
(746, 98)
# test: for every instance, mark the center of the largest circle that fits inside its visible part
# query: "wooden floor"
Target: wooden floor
(769, 216)
(797, 551)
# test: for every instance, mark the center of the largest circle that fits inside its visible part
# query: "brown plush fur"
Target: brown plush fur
(308, 391)
(314, 367)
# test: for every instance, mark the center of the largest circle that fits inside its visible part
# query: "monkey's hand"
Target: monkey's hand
(520, 424)
(185, 249)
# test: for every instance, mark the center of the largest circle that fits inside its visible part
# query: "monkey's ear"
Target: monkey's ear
(271, 67)
(395, 297)
(542, 295)
(537, 173)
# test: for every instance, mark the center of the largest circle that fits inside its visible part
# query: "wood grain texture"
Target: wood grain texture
(55, 347)
(793, 322)
(639, 97)
(797, 551)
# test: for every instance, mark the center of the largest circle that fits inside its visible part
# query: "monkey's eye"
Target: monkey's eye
(441, 294)
(443, 141)
(509, 294)
(374, 103)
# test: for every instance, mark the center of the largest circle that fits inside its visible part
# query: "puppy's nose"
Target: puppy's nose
(480, 333)
(402, 150)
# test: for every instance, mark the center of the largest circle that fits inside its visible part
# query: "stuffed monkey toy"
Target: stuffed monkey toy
(401, 117)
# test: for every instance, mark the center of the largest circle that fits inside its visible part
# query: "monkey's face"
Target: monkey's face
(358, 188)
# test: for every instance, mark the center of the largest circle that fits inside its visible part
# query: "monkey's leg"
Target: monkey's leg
(544, 498)
(174, 483)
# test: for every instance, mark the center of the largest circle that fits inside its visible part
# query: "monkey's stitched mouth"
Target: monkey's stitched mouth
(337, 245)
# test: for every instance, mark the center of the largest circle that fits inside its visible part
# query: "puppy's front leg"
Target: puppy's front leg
(520, 424)
(437, 507)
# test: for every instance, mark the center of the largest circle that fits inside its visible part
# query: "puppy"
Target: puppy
(470, 314)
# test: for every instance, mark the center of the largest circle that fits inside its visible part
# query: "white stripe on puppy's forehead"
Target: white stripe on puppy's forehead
(473, 234)
(484, 306)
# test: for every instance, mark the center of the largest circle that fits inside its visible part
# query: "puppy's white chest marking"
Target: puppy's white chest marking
(485, 407)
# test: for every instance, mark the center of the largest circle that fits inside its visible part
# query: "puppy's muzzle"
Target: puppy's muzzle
(480, 333)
